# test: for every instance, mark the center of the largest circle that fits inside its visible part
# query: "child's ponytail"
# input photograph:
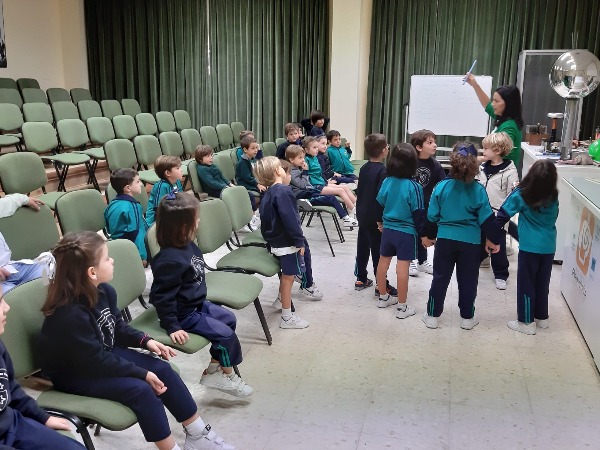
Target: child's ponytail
(538, 188)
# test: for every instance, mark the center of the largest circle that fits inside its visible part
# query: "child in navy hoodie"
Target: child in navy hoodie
(316, 124)
(292, 135)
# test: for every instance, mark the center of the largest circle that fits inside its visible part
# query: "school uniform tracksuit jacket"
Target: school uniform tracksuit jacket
(211, 179)
(124, 220)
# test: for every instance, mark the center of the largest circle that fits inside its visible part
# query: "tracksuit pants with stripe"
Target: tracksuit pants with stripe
(367, 242)
(216, 324)
(466, 257)
(533, 284)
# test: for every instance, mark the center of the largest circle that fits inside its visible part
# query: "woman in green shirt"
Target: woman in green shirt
(505, 109)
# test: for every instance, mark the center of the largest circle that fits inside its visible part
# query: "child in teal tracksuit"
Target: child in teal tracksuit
(168, 169)
(340, 157)
(211, 178)
(123, 215)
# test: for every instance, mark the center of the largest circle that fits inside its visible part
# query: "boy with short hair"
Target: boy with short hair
(292, 134)
(239, 152)
(123, 215)
(211, 179)
(168, 169)
(316, 124)
(369, 212)
(327, 169)
(281, 229)
(244, 176)
(429, 173)
(340, 157)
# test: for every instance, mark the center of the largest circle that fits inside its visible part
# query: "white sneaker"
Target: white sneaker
(208, 441)
(469, 324)
(426, 267)
(230, 384)
(542, 323)
(500, 284)
(351, 186)
(388, 300)
(294, 322)
(525, 328)
(413, 271)
(349, 221)
(430, 321)
(352, 213)
(406, 312)
(312, 292)
(305, 205)
(255, 222)
(485, 263)
(277, 303)
(510, 251)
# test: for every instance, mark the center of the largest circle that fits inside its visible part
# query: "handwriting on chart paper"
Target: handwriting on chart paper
(441, 103)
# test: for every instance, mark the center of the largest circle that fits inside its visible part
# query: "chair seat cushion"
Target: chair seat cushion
(219, 289)
(251, 259)
(6, 140)
(148, 323)
(94, 153)
(327, 209)
(50, 199)
(254, 237)
(111, 415)
(70, 159)
(148, 176)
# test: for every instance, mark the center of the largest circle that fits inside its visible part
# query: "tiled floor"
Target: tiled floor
(358, 378)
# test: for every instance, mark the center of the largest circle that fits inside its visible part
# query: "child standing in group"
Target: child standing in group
(369, 213)
(327, 169)
(536, 201)
(86, 348)
(123, 215)
(317, 195)
(429, 173)
(403, 222)
(292, 134)
(179, 294)
(168, 169)
(281, 229)
(460, 207)
(239, 152)
(499, 177)
(211, 179)
(340, 157)
(316, 124)
(244, 176)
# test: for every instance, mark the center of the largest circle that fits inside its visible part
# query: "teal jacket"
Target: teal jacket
(460, 210)
(159, 190)
(211, 179)
(403, 207)
(537, 228)
(315, 174)
(244, 176)
(124, 220)
(340, 160)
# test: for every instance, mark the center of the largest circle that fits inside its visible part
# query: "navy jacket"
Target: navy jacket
(371, 176)
(313, 130)
(244, 176)
(325, 163)
(280, 222)
(281, 148)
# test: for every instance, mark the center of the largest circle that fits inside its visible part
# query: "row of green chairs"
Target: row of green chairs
(36, 95)
(19, 84)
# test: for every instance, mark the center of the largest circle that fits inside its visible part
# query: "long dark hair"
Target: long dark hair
(538, 187)
(512, 105)
(403, 161)
(176, 220)
(74, 254)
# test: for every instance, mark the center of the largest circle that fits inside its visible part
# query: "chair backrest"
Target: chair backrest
(131, 107)
(279, 141)
(22, 172)
(146, 124)
(147, 149)
(111, 108)
(214, 227)
(88, 108)
(81, 210)
(152, 242)
(29, 233)
(8, 95)
(170, 143)
(183, 120)
(119, 154)
(72, 133)
(269, 148)
(194, 179)
(39, 137)
(142, 197)
(165, 121)
(209, 137)
(236, 129)
(225, 136)
(34, 95)
(37, 112)
(129, 278)
(125, 127)
(191, 139)
(22, 329)
(238, 205)
(58, 95)
(25, 83)
(78, 94)
(223, 162)
(100, 130)
(8, 83)
(64, 110)
(10, 117)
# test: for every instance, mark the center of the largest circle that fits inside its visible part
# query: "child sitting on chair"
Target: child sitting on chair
(168, 169)
(244, 176)
(327, 169)
(239, 152)
(292, 134)
(211, 179)
(340, 157)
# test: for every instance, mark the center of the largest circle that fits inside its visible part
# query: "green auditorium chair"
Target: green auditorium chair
(225, 136)
(236, 129)
(8, 95)
(58, 95)
(89, 108)
(81, 210)
(182, 120)
(146, 124)
(111, 108)
(64, 110)
(78, 94)
(125, 127)
(38, 112)
(131, 107)
(34, 95)
(165, 121)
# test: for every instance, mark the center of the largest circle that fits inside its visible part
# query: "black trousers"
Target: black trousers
(367, 242)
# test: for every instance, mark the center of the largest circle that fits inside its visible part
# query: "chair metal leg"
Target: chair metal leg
(263, 321)
(61, 173)
(310, 218)
(80, 426)
(97, 430)
(338, 227)
(326, 234)
(92, 177)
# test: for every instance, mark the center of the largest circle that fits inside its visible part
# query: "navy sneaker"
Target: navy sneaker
(359, 285)
(391, 290)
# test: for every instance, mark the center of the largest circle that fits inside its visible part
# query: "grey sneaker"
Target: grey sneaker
(403, 311)
(305, 205)
(312, 292)
(230, 384)
(469, 324)
(293, 322)
(413, 270)
(430, 321)
(542, 323)
(525, 328)
(208, 441)
(388, 300)
(426, 267)
(500, 284)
